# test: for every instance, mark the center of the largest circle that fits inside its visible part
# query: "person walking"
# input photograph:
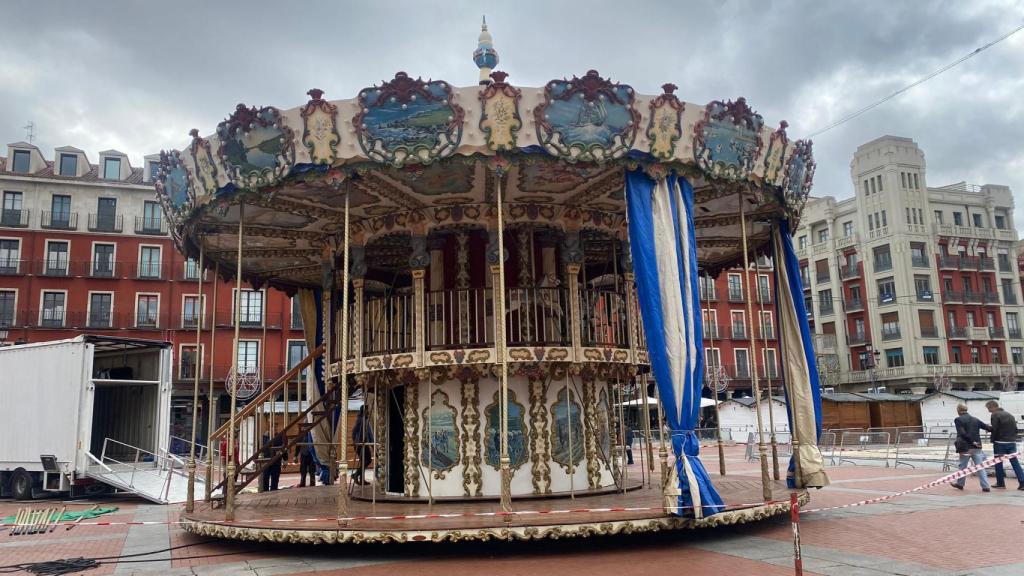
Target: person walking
(968, 445)
(271, 477)
(1004, 441)
(362, 439)
(629, 445)
(304, 453)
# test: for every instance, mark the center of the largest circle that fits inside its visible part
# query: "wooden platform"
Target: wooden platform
(308, 515)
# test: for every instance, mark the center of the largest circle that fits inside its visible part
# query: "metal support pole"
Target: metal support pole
(499, 340)
(343, 424)
(714, 385)
(647, 432)
(190, 502)
(211, 402)
(767, 372)
(229, 496)
(761, 451)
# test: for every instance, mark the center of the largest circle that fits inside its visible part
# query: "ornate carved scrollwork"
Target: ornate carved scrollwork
(590, 434)
(412, 463)
(472, 477)
(540, 453)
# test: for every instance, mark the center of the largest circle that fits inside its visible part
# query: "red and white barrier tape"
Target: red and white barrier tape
(945, 479)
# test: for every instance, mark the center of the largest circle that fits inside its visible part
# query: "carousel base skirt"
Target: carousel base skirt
(367, 493)
(308, 516)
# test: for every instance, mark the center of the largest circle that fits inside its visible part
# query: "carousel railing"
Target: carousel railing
(537, 316)
(390, 325)
(459, 319)
(604, 318)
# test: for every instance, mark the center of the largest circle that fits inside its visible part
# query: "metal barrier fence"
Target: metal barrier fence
(861, 445)
(914, 448)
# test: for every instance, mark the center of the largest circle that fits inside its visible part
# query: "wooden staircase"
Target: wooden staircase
(295, 431)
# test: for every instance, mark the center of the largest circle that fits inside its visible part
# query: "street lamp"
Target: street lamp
(873, 356)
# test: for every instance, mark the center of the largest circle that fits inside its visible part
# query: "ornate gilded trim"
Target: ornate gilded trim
(412, 463)
(665, 126)
(436, 416)
(568, 445)
(727, 141)
(472, 477)
(540, 444)
(590, 432)
(320, 128)
(517, 431)
(262, 134)
(499, 113)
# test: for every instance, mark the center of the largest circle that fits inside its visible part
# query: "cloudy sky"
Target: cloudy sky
(136, 76)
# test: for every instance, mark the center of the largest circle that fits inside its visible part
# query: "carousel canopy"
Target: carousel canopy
(417, 155)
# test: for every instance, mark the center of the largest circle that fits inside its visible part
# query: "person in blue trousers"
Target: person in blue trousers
(968, 445)
(1004, 441)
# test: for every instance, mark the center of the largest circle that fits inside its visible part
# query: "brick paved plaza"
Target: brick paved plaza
(939, 531)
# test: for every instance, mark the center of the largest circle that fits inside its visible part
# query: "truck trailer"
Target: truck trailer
(86, 416)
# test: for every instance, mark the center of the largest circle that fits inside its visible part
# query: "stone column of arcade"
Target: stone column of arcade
(766, 486)
(229, 495)
(190, 501)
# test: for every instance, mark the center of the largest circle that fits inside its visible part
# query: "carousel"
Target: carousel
(492, 272)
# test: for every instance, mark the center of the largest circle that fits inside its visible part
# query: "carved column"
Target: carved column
(435, 298)
(526, 296)
(419, 261)
(590, 430)
(472, 477)
(358, 272)
(464, 300)
(492, 260)
(540, 440)
(572, 256)
(412, 461)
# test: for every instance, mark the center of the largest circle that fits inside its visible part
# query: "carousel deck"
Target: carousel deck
(306, 515)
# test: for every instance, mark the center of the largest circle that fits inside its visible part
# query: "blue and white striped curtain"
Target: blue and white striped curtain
(664, 253)
(312, 311)
(799, 367)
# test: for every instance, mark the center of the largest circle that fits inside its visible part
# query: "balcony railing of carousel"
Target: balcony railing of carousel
(540, 316)
(604, 318)
(389, 324)
(459, 318)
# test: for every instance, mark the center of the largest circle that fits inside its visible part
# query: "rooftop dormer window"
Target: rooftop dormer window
(21, 161)
(68, 165)
(112, 168)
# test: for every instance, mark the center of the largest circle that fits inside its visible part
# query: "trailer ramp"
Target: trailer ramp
(162, 479)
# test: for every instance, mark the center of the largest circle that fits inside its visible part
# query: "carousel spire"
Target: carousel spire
(485, 56)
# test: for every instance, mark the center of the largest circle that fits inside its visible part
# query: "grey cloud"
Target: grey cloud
(138, 75)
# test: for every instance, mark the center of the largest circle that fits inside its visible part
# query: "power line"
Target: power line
(918, 82)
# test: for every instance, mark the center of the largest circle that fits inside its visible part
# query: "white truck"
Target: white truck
(86, 415)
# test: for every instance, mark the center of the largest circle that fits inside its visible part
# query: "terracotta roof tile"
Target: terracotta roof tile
(135, 178)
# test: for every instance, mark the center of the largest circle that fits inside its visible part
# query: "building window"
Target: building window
(101, 306)
(977, 220)
(735, 287)
(251, 302)
(770, 365)
(68, 164)
(957, 358)
(975, 355)
(858, 330)
(1017, 353)
(916, 186)
(191, 311)
(191, 269)
(822, 235)
(739, 324)
(764, 291)
(1009, 295)
(931, 355)
(147, 311)
(103, 260)
(60, 212)
(802, 242)
(296, 352)
(821, 271)
(7, 298)
(1000, 222)
(938, 216)
(742, 363)
(918, 255)
(847, 229)
(248, 356)
(825, 303)
(958, 219)
(21, 161)
(149, 262)
(1012, 325)
(879, 178)
(903, 179)
(874, 189)
(767, 325)
(894, 358)
(1004, 261)
(890, 326)
(11, 214)
(151, 217)
(926, 318)
(106, 215)
(297, 312)
(994, 357)
(883, 258)
(884, 222)
(923, 288)
(867, 191)
(112, 168)
(154, 171)
(886, 291)
(189, 362)
(10, 254)
(56, 258)
(53, 309)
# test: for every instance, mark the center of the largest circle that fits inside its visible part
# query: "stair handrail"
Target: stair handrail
(289, 442)
(267, 393)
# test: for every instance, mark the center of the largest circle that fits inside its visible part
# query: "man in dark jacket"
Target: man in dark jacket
(1004, 441)
(304, 453)
(968, 445)
(362, 438)
(272, 475)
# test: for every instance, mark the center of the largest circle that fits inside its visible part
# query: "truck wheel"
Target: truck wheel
(21, 485)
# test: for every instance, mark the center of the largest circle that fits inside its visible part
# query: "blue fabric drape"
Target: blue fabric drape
(664, 253)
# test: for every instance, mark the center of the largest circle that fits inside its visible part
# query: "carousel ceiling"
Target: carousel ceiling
(413, 156)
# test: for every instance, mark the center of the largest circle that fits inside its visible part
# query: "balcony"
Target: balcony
(58, 221)
(957, 332)
(766, 332)
(978, 333)
(825, 343)
(919, 262)
(822, 277)
(736, 296)
(970, 263)
(150, 226)
(52, 318)
(997, 332)
(883, 264)
(971, 297)
(739, 332)
(954, 231)
(58, 267)
(1014, 333)
(534, 317)
(189, 321)
(12, 266)
(844, 241)
(1009, 297)
(826, 308)
(987, 264)
(925, 296)
(856, 339)
(849, 272)
(14, 218)
(890, 334)
(947, 262)
(764, 296)
(886, 298)
(989, 298)
(708, 295)
(106, 223)
(929, 332)
(713, 331)
(99, 320)
(102, 269)
(146, 270)
(853, 304)
(255, 318)
(820, 248)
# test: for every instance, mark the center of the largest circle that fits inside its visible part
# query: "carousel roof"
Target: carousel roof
(417, 155)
